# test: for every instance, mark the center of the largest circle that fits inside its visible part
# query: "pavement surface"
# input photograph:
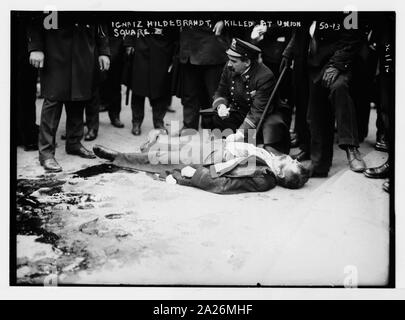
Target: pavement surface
(128, 228)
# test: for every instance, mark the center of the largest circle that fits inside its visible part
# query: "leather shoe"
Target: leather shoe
(301, 156)
(104, 153)
(355, 160)
(91, 135)
(136, 129)
(386, 185)
(117, 123)
(380, 172)
(160, 127)
(82, 152)
(381, 145)
(51, 165)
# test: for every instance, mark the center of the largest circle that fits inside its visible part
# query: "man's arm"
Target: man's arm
(261, 96)
(103, 47)
(35, 42)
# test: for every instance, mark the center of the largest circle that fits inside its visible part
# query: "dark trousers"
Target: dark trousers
(326, 105)
(92, 110)
(159, 107)
(233, 122)
(23, 96)
(199, 85)
(50, 117)
(301, 96)
(110, 86)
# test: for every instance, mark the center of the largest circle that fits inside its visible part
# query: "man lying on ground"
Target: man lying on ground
(216, 165)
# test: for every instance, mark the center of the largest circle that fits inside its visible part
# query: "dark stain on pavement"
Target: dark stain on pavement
(100, 169)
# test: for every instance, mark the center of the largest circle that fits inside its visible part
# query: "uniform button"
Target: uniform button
(232, 93)
(232, 88)
(76, 24)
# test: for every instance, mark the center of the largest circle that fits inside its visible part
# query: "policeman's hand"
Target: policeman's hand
(218, 28)
(236, 137)
(37, 59)
(129, 51)
(223, 111)
(188, 172)
(104, 62)
(285, 62)
(329, 76)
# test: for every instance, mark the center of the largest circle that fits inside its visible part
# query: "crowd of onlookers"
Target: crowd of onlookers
(331, 74)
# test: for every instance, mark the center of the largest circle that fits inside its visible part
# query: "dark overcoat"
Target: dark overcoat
(200, 46)
(152, 58)
(70, 57)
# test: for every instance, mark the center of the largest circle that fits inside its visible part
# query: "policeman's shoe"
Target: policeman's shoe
(161, 127)
(381, 144)
(313, 171)
(355, 160)
(82, 152)
(104, 153)
(136, 129)
(301, 156)
(386, 185)
(91, 135)
(380, 172)
(117, 123)
(50, 165)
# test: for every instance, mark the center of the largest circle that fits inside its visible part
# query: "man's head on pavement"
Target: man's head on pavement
(291, 173)
(241, 55)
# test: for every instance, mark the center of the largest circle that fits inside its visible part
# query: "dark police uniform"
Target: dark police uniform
(247, 95)
(67, 77)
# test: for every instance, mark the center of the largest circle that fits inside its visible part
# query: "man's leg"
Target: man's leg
(232, 123)
(191, 95)
(345, 111)
(50, 117)
(159, 108)
(321, 122)
(346, 120)
(92, 116)
(301, 95)
(114, 81)
(138, 113)
(276, 132)
(74, 124)
(26, 88)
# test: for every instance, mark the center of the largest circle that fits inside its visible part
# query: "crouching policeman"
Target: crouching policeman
(244, 89)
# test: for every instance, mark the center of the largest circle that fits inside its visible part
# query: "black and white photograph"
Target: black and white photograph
(218, 149)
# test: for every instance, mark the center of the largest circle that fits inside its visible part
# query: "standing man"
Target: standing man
(110, 85)
(152, 57)
(66, 56)
(243, 92)
(202, 58)
(333, 49)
